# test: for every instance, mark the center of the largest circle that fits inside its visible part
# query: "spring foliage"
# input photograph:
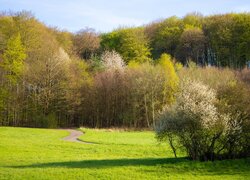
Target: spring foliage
(13, 59)
(53, 78)
(205, 123)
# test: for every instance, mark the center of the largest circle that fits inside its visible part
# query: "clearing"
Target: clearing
(27, 153)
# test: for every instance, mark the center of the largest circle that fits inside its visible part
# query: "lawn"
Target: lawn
(42, 154)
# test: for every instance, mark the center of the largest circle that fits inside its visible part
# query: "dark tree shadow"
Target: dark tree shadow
(180, 165)
(106, 163)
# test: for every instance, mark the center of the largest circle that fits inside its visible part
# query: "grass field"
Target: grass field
(42, 154)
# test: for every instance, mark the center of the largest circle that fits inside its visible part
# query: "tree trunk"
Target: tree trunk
(146, 110)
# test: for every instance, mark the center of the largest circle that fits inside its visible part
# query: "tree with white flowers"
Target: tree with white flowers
(193, 121)
(112, 60)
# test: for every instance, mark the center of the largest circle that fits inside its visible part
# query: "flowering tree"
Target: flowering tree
(112, 60)
(193, 120)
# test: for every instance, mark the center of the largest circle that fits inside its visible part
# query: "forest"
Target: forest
(135, 97)
(54, 78)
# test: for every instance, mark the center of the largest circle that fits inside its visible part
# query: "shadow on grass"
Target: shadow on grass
(175, 165)
(106, 163)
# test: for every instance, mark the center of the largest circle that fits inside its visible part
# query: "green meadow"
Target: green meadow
(27, 153)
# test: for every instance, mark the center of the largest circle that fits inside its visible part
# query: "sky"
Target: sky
(106, 15)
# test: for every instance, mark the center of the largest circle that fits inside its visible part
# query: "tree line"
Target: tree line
(217, 40)
(54, 78)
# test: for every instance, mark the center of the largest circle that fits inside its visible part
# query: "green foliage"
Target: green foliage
(43, 72)
(241, 39)
(11, 71)
(13, 58)
(209, 123)
(76, 88)
(234, 100)
(133, 64)
(130, 43)
(64, 38)
(171, 78)
(167, 37)
(193, 20)
(6, 30)
(228, 38)
(219, 40)
(192, 45)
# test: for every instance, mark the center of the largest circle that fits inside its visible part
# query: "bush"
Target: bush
(208, 124)
(193, 120)
(234, 101)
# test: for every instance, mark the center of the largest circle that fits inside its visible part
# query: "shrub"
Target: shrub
(234, 101)
(208, 124)
(193, 121)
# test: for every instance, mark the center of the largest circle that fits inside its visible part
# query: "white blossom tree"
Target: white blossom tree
(112, 60)
(193, 120)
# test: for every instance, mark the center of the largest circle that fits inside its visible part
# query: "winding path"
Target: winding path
(74, 135)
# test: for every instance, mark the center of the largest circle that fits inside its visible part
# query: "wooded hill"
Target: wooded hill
(50, 77)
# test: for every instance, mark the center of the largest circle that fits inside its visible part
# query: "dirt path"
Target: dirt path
(74, 135)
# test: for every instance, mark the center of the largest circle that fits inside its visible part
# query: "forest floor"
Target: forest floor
(27, 153)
